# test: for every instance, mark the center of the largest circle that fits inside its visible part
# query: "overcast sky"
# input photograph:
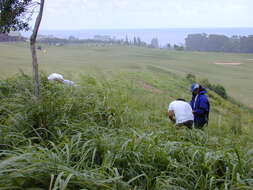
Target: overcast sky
(117, 14)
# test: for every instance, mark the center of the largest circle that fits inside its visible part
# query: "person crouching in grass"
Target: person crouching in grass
(180, 112)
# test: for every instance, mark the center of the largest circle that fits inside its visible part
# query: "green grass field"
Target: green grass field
(73, 60)
(111, 132)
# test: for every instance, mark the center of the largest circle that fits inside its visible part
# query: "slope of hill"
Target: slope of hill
(72, 60)
(111, 132)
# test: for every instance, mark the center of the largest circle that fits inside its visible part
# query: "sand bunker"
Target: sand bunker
(227, 63)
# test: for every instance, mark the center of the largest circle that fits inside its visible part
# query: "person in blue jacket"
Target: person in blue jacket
(200, 106)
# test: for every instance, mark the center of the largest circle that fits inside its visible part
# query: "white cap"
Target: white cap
(55, 76)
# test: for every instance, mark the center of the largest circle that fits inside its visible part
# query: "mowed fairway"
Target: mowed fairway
(73, 60)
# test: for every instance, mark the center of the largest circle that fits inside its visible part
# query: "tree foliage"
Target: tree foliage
(219, 43)
(13, 15)
(217, 88)
(154, 43)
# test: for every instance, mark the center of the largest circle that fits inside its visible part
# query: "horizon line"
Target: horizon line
(243, 27)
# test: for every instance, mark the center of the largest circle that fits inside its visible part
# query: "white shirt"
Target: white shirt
(182, 111)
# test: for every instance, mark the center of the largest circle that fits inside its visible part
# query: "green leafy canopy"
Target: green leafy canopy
(14, 15)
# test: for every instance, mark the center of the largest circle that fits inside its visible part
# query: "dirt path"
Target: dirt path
(150, 88)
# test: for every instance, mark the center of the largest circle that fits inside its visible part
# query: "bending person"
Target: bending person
(180, 112)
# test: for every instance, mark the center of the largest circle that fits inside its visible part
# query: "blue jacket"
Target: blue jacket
(200, 106)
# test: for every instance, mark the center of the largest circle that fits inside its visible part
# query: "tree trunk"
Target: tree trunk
(33, 50)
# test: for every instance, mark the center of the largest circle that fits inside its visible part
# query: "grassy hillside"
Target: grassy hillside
(81, 59)
(111, 131)
(114, 134)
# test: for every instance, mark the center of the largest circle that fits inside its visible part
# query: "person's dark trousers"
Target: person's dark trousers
(199, 125)
(187, 124)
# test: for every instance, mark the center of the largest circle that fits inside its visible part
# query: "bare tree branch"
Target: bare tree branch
(33, 50)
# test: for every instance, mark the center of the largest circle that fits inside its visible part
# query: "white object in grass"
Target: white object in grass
(55, 76)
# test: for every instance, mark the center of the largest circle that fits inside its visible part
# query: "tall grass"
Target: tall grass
(103, 135)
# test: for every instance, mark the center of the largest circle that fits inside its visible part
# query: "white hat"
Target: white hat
(55, 76)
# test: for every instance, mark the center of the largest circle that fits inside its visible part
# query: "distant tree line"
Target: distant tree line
(55, 40)
(219, 43)
(97, 39)
(7, 38)
(136, 42)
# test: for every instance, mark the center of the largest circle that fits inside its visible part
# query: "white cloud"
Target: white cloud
(78, 14)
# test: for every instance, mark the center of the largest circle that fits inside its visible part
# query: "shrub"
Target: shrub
(217, 88)
(191, 78)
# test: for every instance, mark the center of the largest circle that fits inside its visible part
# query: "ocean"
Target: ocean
(164, 36)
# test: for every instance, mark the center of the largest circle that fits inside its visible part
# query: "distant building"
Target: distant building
(59, 44)
(15, 34)
(104, 38)
(11, 37)
(72, 38)
(42, 37)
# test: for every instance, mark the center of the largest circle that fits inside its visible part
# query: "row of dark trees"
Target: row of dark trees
(219, 43)
(73, 40)
(136, 41)
(6, 38)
